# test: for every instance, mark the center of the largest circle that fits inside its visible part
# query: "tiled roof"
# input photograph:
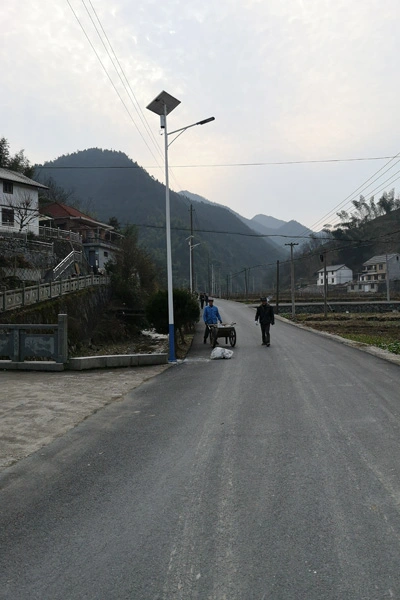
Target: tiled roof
(334, 268)
(19, 178)
(381, 258)
(58, 210)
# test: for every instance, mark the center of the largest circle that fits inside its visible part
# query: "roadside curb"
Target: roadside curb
(83, 363)
(378, 352)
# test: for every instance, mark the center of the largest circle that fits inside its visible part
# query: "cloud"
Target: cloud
(286, 80)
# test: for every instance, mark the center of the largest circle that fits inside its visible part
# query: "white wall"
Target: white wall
(11, 200)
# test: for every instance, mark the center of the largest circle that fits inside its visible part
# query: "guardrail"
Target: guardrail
(12, 299)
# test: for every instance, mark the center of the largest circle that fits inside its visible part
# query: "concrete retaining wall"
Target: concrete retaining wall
(81, 363)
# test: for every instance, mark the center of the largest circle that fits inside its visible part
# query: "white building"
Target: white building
(335, 274)
(374, 272)
(19, 202)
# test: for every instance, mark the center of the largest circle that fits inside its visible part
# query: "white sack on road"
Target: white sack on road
(221, 353)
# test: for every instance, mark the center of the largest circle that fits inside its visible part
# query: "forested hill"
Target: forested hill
(115, 186)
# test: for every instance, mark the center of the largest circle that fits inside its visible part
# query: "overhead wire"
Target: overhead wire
(137, 108)
(124, 81)
(359, 189)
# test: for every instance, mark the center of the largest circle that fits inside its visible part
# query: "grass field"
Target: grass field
(376, 329)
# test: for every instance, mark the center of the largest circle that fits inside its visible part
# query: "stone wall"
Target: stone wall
(83, 309)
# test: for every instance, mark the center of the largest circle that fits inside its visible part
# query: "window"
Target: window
(380, 267)
(333, 280)
(7, 216)
(105, 254)
(7, 187)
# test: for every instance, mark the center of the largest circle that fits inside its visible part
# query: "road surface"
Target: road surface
(272, 475)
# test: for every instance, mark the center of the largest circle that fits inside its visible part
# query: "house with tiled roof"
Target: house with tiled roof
(19, 202)
(100, 240)
(335, 274)
(375, 273)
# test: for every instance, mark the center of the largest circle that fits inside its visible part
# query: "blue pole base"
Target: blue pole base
(171, 339)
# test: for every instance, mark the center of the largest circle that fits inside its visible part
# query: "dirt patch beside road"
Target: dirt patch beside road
(376, 329)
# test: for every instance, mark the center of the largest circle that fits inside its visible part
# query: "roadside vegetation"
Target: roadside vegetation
(375, 329)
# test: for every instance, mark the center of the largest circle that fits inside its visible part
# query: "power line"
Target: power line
(111, 81)
(212, 165)
(137, 108)
(130, 92)
(287, 162)
(340, 205)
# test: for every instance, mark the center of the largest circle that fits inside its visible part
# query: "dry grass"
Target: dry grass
(376, 329)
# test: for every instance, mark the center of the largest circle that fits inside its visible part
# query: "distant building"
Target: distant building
(374, 273)
(336, 275)
(19, 202)
(99, 240)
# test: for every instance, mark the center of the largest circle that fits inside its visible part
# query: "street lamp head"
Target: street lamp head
(204, 121)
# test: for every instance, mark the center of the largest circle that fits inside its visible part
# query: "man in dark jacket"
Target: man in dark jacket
(265, 315)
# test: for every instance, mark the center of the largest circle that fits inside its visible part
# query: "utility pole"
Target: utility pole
(322, 258)
(191, 250)
(277, 288)
(209, 292)
(245, 284)
(292, 276)
(387, 280)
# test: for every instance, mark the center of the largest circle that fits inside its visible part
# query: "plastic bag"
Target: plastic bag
(221, 353)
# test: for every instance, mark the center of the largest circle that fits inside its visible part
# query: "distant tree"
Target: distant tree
(367, 211)
(388, 202)
(24, 210)
(55, 192)
(113, 221)
(18, 162)
(134, 277)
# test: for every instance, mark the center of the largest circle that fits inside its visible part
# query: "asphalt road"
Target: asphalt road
(273, 475)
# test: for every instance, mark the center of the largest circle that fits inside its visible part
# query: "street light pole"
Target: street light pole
(162, 105)
(292, 277)
(191, 246)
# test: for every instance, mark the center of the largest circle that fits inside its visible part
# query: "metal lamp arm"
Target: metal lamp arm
(182, 129)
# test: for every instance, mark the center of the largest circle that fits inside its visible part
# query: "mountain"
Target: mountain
(226, 251)
(268, 222)
(277, 231)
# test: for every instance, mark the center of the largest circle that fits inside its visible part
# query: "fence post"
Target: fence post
(62, 332)
(16, 353)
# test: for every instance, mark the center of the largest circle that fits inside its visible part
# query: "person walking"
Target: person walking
(202, 298)
(265, 315)
(211, 316)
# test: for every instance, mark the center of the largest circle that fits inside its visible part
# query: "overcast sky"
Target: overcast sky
(286, 80)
